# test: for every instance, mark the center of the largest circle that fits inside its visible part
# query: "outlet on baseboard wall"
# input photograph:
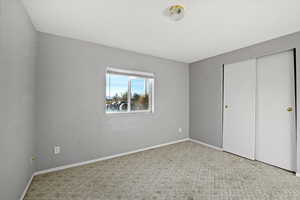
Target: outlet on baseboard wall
(179, 130)
(56, 149)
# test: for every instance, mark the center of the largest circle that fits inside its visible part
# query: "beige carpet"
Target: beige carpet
(186, 171)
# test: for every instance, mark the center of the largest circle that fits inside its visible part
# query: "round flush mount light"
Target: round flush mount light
(176, 12)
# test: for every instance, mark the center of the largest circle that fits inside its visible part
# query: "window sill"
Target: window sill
(129, 114)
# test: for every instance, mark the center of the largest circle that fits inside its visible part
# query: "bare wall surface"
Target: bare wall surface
(206, 88)
(70, 102)
(17, 65)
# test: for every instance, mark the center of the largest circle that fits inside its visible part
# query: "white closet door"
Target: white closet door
(239, 108)
(275, 125)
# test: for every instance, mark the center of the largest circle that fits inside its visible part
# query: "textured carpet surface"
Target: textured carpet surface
(186, 171)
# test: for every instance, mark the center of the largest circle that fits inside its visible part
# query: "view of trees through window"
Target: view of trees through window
(118, 87)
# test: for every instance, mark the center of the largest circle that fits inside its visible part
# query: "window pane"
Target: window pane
(140, 94)
(116, 93)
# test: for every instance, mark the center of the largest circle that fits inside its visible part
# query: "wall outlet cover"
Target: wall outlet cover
(57, 150)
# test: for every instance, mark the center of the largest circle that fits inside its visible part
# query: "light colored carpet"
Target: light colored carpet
(183, 171)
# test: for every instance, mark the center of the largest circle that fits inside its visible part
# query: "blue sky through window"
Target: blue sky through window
(138, 86)
(118, 84)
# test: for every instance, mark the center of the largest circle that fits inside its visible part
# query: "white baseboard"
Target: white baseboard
(115, 156)
(106, 158)
(207, 145)
(27, 187)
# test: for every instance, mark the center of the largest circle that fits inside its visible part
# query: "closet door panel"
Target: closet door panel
(275, 126)
(239, 108)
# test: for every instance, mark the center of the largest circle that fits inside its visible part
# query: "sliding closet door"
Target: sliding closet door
(239, 108)
(275, 125)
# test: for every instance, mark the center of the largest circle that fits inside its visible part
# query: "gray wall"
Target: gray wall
(70, 102)
(206, 88)
(17, 65)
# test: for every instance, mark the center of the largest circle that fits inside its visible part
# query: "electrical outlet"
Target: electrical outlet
(56, 149)
(180, 130)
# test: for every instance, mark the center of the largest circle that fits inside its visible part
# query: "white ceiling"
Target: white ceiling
(210, 27)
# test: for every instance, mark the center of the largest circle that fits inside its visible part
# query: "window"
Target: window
(129, 91)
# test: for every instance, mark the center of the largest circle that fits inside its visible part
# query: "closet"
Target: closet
(259, 110)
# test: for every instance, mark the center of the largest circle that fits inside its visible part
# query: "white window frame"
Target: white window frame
(132, 74)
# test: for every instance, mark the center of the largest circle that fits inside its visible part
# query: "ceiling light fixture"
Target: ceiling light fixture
(176, 12)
